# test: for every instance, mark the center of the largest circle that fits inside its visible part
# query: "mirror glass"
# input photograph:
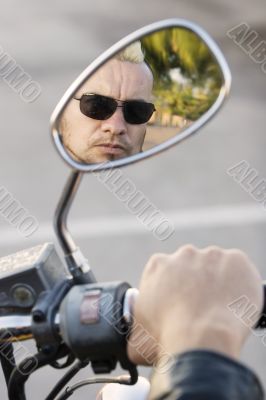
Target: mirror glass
(151, 91)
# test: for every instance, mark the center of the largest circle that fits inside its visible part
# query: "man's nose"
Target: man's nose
(116, 124)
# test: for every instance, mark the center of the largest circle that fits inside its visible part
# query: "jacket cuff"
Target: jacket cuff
(204, 374)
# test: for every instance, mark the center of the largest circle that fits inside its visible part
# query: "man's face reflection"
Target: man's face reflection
(94, 141)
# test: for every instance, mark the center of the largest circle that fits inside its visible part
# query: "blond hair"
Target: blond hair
(132, 53)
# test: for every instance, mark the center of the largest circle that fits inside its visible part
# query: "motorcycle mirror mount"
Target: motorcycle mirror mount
(77, 264)
(176, 81)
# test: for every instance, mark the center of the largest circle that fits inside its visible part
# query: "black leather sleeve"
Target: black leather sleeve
(205, 375)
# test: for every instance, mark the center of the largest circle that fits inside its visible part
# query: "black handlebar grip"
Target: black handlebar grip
(261, 324)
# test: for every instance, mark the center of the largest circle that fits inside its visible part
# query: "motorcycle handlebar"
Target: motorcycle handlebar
(261, 324)
(19, 327)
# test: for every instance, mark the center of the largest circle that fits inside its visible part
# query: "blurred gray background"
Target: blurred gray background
(54, 42)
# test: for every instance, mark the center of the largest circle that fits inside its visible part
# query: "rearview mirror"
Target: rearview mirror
(145, 94)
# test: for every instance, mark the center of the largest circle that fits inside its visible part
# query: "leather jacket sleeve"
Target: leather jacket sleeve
(205, 375)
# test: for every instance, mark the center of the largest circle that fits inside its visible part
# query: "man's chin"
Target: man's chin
(99, 156)
(104, 154)
(103, 158)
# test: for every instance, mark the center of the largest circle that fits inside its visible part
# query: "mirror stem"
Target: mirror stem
(78, 266)
(62, 210)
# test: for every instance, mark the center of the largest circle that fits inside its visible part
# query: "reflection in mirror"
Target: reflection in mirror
(149, 92)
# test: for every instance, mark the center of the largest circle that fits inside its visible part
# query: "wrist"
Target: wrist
(218, 338)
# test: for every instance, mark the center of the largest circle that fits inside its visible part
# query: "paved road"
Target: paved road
(53, 43)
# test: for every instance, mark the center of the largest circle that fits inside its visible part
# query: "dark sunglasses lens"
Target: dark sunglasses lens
(138, 112)
(97, 107)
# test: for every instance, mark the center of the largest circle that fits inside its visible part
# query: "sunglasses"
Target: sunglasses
(102, 107)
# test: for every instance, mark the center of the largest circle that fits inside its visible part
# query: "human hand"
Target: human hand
(183, 302)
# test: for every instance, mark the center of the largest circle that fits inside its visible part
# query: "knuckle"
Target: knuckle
(155, 262)
(187, 250)
(213, 251)
(238, 255)
(241, 262)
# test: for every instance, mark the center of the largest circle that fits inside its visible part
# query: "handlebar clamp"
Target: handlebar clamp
(93, 327)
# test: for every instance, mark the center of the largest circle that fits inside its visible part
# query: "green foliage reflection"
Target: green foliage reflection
(187, 77)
